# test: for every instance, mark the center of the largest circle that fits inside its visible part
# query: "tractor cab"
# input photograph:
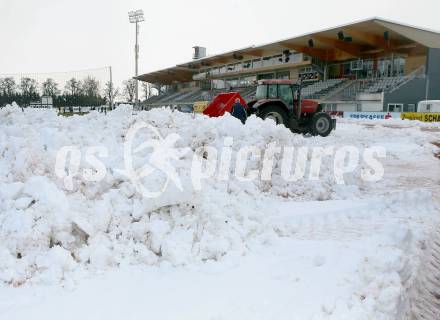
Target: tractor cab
(288, 93)
(281, 101)
(283, 90)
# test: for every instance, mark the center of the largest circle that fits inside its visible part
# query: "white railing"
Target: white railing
(420, 72)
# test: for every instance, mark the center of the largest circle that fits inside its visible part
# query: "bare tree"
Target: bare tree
(50, 87)
(129, 89)
(7, 86)
(110, 91)
(73, 87)
(28, 86)
(147, 89)
(90, 87)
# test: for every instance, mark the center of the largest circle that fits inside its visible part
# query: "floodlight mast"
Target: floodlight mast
(136, 17)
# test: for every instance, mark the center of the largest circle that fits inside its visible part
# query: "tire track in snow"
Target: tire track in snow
(341, 225)
(423, 302)
(423, 299)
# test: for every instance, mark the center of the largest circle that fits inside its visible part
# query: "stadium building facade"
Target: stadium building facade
(372, 65)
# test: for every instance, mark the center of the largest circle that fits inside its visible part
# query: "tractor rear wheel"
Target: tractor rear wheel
(275, 113)
(321, 124)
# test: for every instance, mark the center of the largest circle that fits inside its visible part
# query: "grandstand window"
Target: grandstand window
(296, 57)
(256, 63)
(395, 107)
(200, 76)
(247, 64)
(306, 70)
(368, 64)
(205, 85)
(278, 59)
(247, 81)
(410, 108)
(218, 84)
(346, 67)
(399, 66)
(357, 65)
(267, 61)
(265, 76)
(231, 83)
(238, 67)
(384, 67)
(222, 69)
(283, 75)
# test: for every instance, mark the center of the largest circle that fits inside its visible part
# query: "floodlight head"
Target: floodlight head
(136, 16)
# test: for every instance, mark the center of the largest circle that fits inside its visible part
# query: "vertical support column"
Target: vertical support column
(136, 64)
(392, 65)
(111, 88)
(375, 67)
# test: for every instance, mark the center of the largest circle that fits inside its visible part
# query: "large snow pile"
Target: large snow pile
(50, 233)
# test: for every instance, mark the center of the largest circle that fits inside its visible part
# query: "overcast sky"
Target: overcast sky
(60, 35)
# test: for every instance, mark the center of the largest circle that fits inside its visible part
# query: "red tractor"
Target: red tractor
(278, 100)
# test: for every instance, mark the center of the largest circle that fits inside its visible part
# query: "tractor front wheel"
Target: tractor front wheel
(321, 124)
(275, 113)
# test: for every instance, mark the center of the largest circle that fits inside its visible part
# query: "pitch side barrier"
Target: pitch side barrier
(424, 117)
(420, 116)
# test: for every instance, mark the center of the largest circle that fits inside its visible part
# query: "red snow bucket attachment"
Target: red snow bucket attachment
(223, 103)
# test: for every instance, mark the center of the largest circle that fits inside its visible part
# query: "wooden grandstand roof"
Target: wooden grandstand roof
(370, 38)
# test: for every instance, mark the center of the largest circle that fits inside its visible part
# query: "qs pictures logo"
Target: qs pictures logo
(158, 171)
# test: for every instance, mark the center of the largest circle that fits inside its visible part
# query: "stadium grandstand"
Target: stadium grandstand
(371, 65)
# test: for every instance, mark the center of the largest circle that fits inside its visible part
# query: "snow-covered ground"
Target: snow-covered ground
(236, 249)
